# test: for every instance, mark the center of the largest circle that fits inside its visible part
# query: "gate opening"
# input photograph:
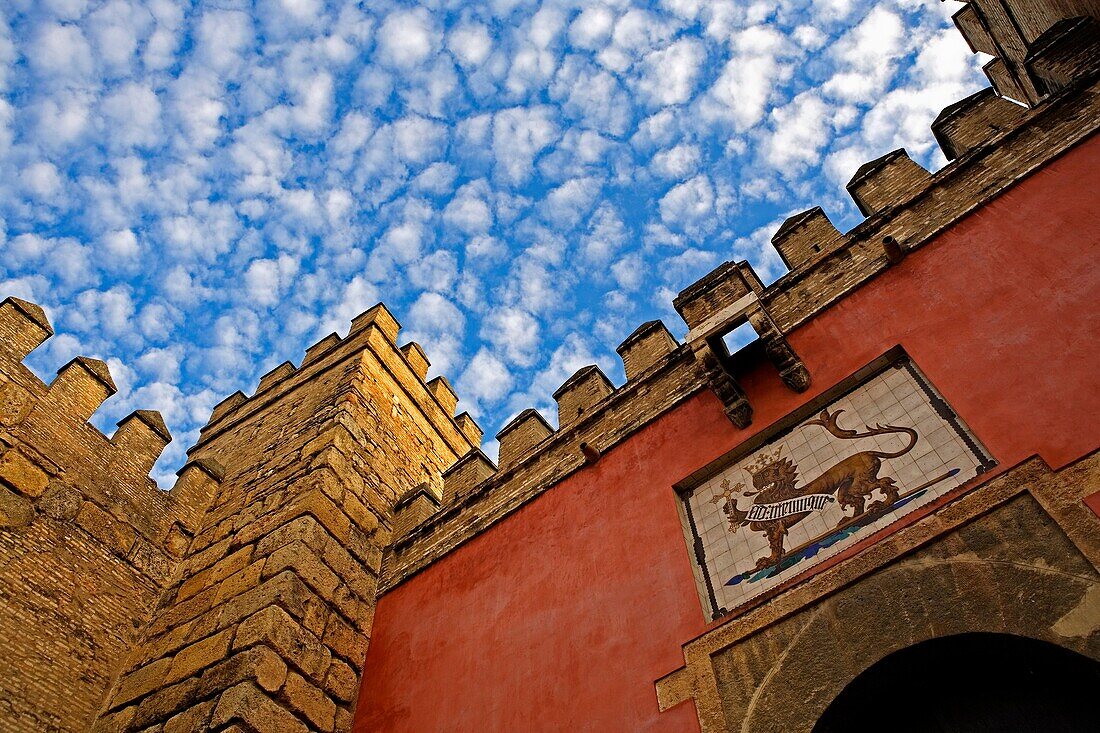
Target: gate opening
(971, 683)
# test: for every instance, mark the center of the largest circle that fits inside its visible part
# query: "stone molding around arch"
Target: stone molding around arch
(1017, 555)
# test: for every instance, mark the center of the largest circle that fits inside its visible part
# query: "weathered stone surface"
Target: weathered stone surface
(15, 510)
(520, 436)
(111, 532)
(260, 664)
(17, 471)
(342, 682)
(309, 702)
(192, 719)
(277, 629)
(247, 704)
(581, 392)
(60, 502)
(649, 344)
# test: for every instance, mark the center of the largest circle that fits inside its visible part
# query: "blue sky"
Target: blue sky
(197, 191)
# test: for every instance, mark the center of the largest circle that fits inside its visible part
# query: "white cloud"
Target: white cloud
(406, 38)
(61, 53)
(636, 33)
(66, 116)
(521, 182)
(132, 114)
(161, 364)
(593, 95)
(437, 178)
(196, 101)
(180, 287)
(688, 204)
(567, 204)
(799, 131)
(437, 323)
(605, 236)
(757, 248)
(866, 57)
(670, 75)
(107, 312)
(744, 87)
(438, 271)
(592, 27)
(833, 10)
(358, 296)
(809, 37)
(266, 279)
(677, 162)
(629, 272)
(115, 29)
(545, 26)
(41, 180)
(470, 44)
(514, 333)
(519, 135)
(468, 211)
(486, 380)
(122, 244)
(485, 248)
(434, 313)
(418, 140)
(222, 39)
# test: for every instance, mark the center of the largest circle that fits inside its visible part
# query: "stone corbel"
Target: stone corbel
(791, 369)
(735, 402)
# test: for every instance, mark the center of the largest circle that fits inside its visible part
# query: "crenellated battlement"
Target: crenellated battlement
(887, 182)
(375, 330)
(46, 430)
(991, 144)
(324, 463)
(1038, 46)
(86, 532)
(350, 417)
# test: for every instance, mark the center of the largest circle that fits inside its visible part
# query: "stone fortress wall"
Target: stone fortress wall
(244, 598)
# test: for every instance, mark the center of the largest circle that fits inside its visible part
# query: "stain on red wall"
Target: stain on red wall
(561, 617)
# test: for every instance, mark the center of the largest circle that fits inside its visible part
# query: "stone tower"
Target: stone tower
(267, 619)
(248, 601)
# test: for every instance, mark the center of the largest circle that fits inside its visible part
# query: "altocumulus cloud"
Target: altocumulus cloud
(198, 191)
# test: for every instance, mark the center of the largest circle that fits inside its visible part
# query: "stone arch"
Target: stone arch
(906, 604)
(968, 683)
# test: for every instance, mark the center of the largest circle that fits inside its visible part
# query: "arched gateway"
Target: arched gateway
(971, 683)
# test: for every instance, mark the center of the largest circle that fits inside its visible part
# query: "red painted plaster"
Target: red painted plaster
(561, 617)
(1092, 501)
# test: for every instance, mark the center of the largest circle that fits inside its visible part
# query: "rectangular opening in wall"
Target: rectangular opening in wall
(739, 337)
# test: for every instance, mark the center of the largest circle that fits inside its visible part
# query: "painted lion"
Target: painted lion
(852, 481)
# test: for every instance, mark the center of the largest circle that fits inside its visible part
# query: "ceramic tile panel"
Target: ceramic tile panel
(882, 450)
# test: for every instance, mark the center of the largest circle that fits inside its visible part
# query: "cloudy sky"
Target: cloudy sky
(197, 191)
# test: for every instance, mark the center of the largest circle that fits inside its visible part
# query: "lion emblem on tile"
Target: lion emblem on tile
(779, 502)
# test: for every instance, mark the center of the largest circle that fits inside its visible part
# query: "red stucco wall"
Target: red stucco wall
(561, 617)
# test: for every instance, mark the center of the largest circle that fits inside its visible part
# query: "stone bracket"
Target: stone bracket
(705, 340)
(792, 370)
(735, 402)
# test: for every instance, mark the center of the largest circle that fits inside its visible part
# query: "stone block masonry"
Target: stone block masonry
(246, 601)
(266, 621)
(88, 541)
